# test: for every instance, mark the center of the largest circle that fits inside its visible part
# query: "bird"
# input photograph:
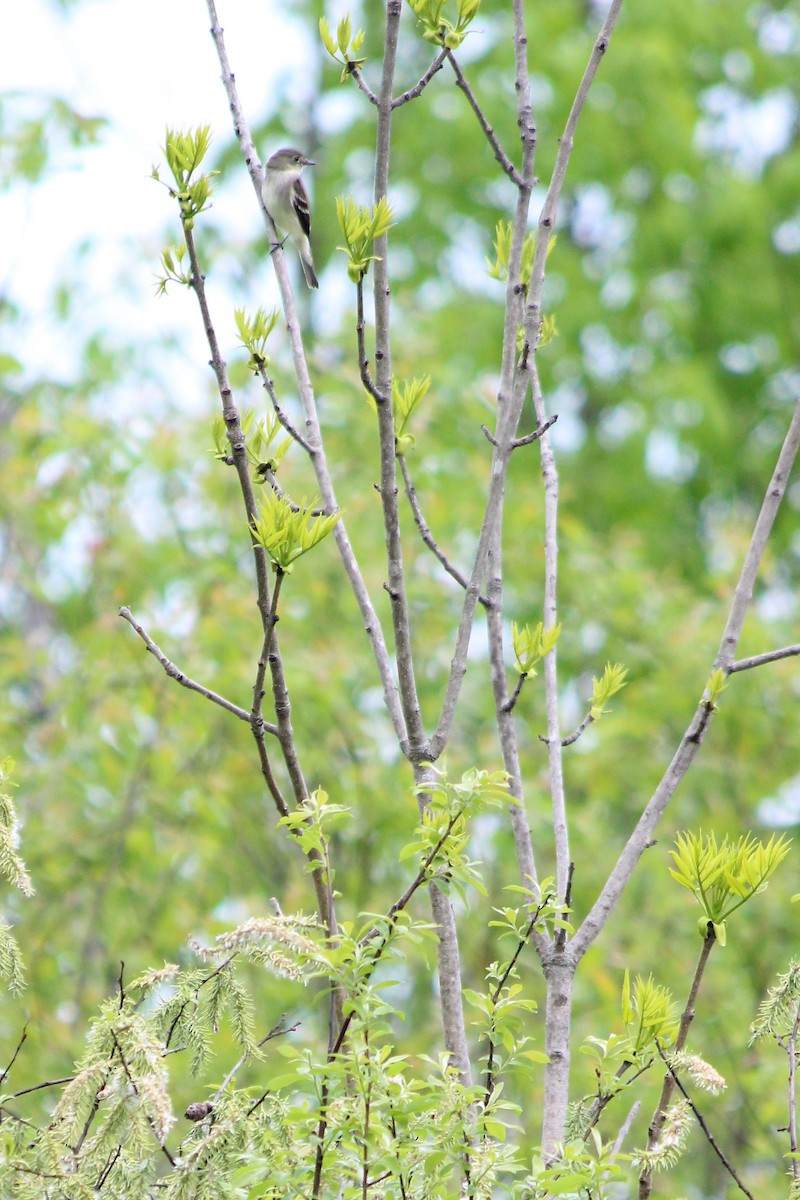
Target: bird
(286, 201)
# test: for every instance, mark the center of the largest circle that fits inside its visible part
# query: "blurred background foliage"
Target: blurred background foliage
(674, 286)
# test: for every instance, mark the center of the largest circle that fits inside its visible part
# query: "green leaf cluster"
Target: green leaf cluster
(287, 532)
(531, 643)
(724, 877)
(611, 682)
(346, 47)
(438, 28)
(360, 225)
(184, 153)
(253, 333)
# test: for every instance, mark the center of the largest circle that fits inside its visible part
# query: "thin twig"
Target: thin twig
(510, 703)
(425, 533)
(701, 1122)
(499, 153)
(359, 78)
(13, 1058)
(758, 660)
(294, 433)
(419, 88)
(625, 1127)
(692, 739)
(178, 675)
(278, 1030)
(37, 1087)
(537, 433)
(363, 361)
(573, 737)
(670, 1079)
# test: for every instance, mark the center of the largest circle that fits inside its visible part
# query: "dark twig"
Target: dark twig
(701, 1122)
(365, 88)
(294, 434)
(37, 1087)
(687, 1016)
(363, 361)
(499, 153)
(419, 88)
(13, 1059)
(425, 533)
(278, 1030)
(177, 674)
(514, 697)
(758, 660)
(537, 433)
(573, 737)
(269, 476)
(108, 1168)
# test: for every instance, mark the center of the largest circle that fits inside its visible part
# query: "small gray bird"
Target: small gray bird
(286, 201)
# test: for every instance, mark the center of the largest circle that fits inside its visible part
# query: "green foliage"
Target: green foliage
(346, 47)
(649, 1013)
(724, 877)
(173, 270)
(253, 334)
(360, 225)
(578, 1172)
(714, 688)
(11, 865)
(184, 153)
(442, 838)
(287, 532)
(439, 29)
(531, 643)
(502, 253)
(778, 1011)
(406, 396)
(611, 682)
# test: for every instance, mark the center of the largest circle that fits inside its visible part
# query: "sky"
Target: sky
(143, 67)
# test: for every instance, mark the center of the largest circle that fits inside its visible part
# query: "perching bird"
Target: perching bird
(286, 201)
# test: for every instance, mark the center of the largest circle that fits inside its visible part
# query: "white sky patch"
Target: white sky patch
(168, 75)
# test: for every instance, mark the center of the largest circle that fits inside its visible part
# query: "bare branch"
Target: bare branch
(425, 533)
(22, 1038)
(547, 217)
(419, 88)
(550, 663)
(363, 361)
(537, 433)
(758, 660)
(278, 1030)
(294, 434)
(692, 739)
(417, 748)
(177, 674)
(499, 153)
(359, 78)
(573, 737)
(625, 1127)
(511, 702)
(743, 595)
